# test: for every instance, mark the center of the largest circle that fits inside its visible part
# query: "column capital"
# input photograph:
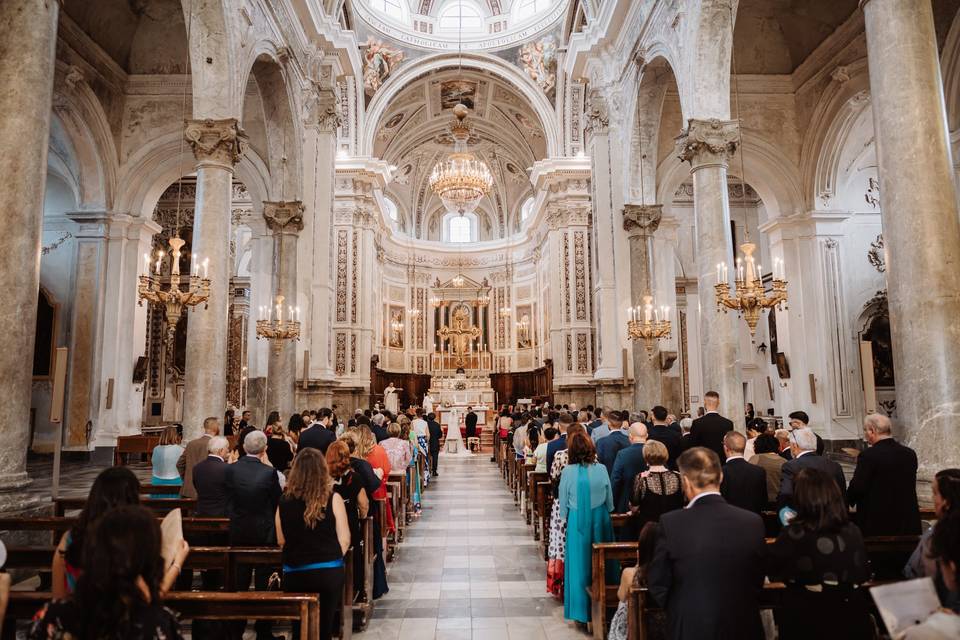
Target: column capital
(641, 220)
(217, 141)
(284, 217)
(708, 142)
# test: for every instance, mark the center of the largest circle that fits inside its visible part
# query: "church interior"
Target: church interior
(510, 209)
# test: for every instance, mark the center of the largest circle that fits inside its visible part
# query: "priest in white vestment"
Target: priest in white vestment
(391, 399)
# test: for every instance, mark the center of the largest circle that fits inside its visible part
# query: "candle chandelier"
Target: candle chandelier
(646, 323)
(174, 293)
(749, 297)
(506, 310)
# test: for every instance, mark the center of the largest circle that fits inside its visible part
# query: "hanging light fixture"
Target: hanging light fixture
(749, 298)
(461, 180)
(174, 293)
(646, 323)
(506, 310)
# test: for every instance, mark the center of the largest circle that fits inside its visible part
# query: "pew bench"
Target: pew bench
(159, 505)
(535, 500)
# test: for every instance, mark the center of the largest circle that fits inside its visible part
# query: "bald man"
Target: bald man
(744, 485)
(628, 463)
(884, 485)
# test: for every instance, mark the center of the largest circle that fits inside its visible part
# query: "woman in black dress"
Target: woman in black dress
(118, 594)
(822, 559)
(348, 485)
(655, 491)
(313, 529)
(370, 482)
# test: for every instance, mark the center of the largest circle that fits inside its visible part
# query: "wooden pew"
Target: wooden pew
(252, 605)
(362, 602)
(133, 445)
(526, 470)
(159, 505)
(547, 491)
(534, 500)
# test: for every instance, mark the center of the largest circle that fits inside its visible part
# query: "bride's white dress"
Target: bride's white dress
(454, 445)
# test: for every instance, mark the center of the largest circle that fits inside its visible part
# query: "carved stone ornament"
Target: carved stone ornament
(221, 141)
(598, 113)
(642, 219)
(322, 108)
(877, 256)
(708, 142)
(286, 217)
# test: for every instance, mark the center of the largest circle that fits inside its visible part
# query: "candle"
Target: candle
(647, 308)
(719, 272)
(156, 266)
(298, 313)
(146, 263)
(279, 312)
(206, 268)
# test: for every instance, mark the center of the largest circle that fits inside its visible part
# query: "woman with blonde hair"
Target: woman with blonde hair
(313, 529)
(397, 448)
(164, 461)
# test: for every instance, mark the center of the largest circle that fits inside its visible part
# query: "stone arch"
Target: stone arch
(212, 64)
(481, 62)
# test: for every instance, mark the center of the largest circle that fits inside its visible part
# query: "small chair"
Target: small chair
(473, 441)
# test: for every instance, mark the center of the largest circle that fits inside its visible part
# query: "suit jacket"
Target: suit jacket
(436, 434)
(470, 422)
(628, 464)
(193, 454)
(316, 437)
(708, 432)
(608, 448)
(707, 571)
(552, 447)
(670, 438)
(253, 491)
(210, 483)
(884, 489)
(810, 460)
(744, 485)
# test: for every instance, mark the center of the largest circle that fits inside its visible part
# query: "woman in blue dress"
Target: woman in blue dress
(586, 501)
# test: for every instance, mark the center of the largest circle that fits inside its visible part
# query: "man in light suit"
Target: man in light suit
(803, 444)
(707, 569)
(193, 454)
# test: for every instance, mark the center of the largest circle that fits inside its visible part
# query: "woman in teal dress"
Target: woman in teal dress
(586, 501)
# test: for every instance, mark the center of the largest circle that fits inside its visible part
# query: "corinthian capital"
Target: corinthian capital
(707, 142)
(221, 141)
(284, 217)
(641, 220)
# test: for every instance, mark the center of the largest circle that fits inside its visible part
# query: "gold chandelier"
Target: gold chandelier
(461, 180)
(648, 324)
(174, 293)
(750, 298)
(273, 327)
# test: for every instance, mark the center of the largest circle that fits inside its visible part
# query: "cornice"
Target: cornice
(552, 170)
(608, 32)
(378, 172)
(325, 32)
(821, 61)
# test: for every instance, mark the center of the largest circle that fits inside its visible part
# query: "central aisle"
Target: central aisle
(469, 567)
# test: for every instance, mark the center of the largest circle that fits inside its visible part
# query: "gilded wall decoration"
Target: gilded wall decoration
(342, 275)
(566, 276)
(582, 364)
(341, 357)
(580, 274)
(569, 353)
(355, 275)
(379, 61)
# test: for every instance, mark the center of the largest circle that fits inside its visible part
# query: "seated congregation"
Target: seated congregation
(306, 514)
(654, 527)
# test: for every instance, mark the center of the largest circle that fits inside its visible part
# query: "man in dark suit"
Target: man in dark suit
(744, 485)
(564, 422)
(470, 422)
(709, 430)
(609, 446)
(210, 483)
(628, 464)
(666, 435)
(803, 444)
(884, 485)
(253, 491)
(435, 432)
(318, 435)
(800, 420)
(707, 570)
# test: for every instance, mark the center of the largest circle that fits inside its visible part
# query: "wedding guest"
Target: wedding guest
(822, 558)
(744, 485)
(636, 577)
(944, 624)
(319, 435)
(540, 453)
(314, 532)
(708, 430)
(398, 449)
(630, 462)
(556, 549)
(350, 486)
(923, 562)
(586, 501)
(119, 593)
(195, 453)
(655, 491)
(803, 444)
(164, 461)
(279, 451)
(766, 457)
(373, 453)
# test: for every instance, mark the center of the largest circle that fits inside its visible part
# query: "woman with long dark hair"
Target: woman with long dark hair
(313, 529)
(118, 595)
(923, 562)
(822, 559)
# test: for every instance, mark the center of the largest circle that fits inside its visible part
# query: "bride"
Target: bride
(453, 445)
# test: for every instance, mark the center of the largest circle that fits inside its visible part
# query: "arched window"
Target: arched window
(526, 209)
(392, 8)
(459, 228)
(459, 13)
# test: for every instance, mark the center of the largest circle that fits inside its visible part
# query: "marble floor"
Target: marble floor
(468, 568)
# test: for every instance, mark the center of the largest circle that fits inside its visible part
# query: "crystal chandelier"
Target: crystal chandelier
(273, 327)
(461, 180)
(174, 293)
(648, 324)
(750, 298)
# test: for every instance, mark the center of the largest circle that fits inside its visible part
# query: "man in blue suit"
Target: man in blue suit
(671, 438)
(609, 446)
(628, 464)
(560, 443)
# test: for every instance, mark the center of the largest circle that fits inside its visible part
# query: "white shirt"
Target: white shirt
(734, 458)
(705, 493)
(803, 453)
(419, 427)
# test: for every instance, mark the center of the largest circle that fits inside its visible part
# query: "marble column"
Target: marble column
(641, 222)
(217, 146)
(285, 219)
(708, 145)
(29, 30)
(921, 227)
